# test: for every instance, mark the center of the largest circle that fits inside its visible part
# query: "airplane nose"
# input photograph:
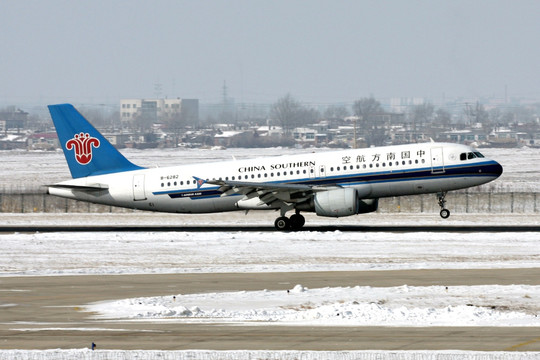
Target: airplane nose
(497, 169)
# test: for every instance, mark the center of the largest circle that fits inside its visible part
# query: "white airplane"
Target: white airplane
(333, 184)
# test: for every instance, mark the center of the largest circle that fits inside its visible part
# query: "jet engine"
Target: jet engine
(342, 202)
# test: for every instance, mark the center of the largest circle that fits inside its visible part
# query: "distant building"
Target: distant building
(43, 141)
(155, 110)
(15, 119)
(229, 138)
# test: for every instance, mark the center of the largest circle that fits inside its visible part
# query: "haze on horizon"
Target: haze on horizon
(319, 51)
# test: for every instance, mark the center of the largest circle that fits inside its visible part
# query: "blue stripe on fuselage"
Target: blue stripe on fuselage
(483, 169)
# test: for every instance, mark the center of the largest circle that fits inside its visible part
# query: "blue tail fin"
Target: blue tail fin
(87, 151)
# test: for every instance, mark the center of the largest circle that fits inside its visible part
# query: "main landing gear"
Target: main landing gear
(445, 213)
(295, 222)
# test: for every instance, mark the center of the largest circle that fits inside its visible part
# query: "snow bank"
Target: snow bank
(494, 305)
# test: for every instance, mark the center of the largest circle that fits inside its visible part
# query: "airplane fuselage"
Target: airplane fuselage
(373, 172)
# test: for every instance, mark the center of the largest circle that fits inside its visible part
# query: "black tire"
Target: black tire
(282, 223)
(297, 221)
(445, 213)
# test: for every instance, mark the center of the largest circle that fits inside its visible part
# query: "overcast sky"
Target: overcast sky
(319, 51)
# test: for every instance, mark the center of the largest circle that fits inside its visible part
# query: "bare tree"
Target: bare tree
(422, 114)
(175, 123)
(368, 111)
(443, 117)
(336, 112)
(290, 113)
(366, 108)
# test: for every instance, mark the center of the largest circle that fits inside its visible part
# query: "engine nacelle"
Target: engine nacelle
(342, 202)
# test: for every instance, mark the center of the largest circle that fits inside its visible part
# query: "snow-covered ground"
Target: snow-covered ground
(65, 253)
(68, 253)
(61, 253)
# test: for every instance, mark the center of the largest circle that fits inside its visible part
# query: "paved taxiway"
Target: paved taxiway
(47, 312)
(258, 228)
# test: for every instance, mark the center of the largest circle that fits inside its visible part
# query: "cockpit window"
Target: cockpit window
(470, 155)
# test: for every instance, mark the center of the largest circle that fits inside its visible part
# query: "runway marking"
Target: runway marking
(515, 347)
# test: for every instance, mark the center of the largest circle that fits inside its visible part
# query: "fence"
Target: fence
(457, 202)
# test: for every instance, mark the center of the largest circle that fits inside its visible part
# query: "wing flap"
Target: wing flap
(269, 193)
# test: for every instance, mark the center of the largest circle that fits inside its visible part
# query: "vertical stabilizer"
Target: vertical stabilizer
(87, 152)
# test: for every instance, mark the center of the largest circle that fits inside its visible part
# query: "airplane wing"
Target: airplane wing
(269, 193)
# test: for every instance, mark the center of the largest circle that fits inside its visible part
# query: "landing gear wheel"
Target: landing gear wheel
(445, 213)
(282, 223)
(297, 221)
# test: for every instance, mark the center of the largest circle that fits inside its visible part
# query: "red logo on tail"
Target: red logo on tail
(82, 143)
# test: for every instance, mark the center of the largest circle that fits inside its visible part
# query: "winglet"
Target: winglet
(87, 152)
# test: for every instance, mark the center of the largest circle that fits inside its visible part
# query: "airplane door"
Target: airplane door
(437, 160)
(322, 171)
(138, 187)
(312, 172)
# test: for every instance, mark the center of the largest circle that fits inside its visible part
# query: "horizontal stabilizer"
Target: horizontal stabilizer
(88, 187)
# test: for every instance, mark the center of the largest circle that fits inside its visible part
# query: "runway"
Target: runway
(259, 228)
(47, 312)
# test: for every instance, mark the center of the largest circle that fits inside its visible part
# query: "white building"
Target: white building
(155, 109)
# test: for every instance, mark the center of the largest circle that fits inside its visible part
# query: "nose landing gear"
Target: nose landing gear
(445, 213)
